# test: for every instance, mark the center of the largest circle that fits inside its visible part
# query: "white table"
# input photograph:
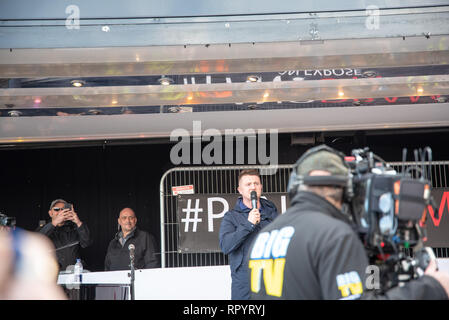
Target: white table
(192, 283)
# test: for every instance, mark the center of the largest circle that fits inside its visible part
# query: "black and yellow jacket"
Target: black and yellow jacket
(312, 252)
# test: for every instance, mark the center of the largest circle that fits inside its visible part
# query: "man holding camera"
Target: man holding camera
(313, 250)
(67, 232)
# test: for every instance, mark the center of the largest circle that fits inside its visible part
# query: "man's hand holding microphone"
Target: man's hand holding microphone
(254, 214)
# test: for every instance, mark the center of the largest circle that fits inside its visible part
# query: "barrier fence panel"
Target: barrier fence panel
(223, 180)
(435, 171)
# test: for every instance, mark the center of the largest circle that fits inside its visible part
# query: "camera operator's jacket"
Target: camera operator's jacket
(312, 252)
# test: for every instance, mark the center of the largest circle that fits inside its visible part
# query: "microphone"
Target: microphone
(131, 249)
(66, 246)
(254, 199)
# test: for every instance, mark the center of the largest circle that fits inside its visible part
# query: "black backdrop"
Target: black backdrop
(100, 180)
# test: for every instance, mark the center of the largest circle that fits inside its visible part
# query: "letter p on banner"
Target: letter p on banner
(210, 211)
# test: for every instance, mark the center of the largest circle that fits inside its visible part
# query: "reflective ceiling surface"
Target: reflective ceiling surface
(133, 77)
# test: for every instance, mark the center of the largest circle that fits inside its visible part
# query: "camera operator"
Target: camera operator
(7, 223)
(313, 250)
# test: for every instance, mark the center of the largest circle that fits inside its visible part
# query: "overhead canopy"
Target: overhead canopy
(146, 68)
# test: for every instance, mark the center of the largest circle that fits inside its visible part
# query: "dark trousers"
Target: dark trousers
(240, 287)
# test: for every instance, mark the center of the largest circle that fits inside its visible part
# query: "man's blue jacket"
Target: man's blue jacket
(236, 236)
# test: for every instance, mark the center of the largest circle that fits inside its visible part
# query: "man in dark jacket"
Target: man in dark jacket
(312, 252)
(118, 254)
(239, 227)
(67, 232)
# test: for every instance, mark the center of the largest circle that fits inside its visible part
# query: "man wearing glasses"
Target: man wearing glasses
(67, 232)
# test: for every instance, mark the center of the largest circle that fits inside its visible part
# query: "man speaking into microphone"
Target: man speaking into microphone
(240, 226)
(131, 243)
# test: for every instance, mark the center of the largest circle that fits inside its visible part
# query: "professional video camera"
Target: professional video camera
(6, 221)
(390, 210)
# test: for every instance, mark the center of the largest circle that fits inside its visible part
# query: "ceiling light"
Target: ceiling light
(14, 113)
(175, 109)
(165, 81)
(125, 110)
(420, 90)
(94, 111)
(369, 73)
(266, 95)
(78, 83)
(253, 78)
(341, 93)
(37, 100)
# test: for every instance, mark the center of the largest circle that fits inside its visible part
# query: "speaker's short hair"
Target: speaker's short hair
(249, 172)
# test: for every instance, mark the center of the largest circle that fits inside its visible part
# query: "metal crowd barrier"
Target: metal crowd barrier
(223, 180)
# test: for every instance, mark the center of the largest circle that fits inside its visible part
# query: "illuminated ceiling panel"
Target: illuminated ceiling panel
(307, 66)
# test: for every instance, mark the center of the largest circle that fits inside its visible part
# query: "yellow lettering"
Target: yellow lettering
(351, 288)
(255, 266)
(344, 290)
(273, 275)
(356, 288)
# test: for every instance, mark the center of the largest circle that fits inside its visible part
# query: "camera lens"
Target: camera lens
(385, 202)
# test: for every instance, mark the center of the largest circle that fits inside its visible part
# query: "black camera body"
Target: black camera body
(389, 210)
(6, 221)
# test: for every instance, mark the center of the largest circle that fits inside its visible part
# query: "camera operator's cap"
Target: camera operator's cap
(54, 202)
(326, 159)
